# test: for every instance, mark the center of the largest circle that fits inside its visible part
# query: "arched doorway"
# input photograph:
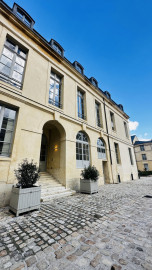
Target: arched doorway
(52, 153)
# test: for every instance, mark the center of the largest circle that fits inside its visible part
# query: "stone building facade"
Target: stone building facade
(52, 113)
(143, 154)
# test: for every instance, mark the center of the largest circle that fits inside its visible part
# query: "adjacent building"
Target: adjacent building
(143, 153)
(52, 113)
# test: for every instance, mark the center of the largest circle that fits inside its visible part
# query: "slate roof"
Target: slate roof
(142, 142)
(132, 137)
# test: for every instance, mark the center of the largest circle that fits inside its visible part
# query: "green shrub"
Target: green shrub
(90, 173)
(144, 173)
(27, 174)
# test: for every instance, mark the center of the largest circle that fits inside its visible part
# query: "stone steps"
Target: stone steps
(51, 188)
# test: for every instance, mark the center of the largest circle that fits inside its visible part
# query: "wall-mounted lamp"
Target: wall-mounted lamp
(56, 148)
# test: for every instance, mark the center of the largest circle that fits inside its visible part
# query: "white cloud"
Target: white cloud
(133, 125)
(145, 134)
(140, 138)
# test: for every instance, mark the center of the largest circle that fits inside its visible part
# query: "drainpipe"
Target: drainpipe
(108, 138)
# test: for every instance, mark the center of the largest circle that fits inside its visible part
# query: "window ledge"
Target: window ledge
(114, 131)
(3, 158)
(11, 87)
(82, 120)
(55, 107)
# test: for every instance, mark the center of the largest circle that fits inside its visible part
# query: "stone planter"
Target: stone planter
(88, 186)
(25, 199)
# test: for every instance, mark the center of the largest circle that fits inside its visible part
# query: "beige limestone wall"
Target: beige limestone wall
(62, 124)
(147, 152)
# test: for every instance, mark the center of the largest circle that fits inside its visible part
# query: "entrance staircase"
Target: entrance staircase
(51, 188)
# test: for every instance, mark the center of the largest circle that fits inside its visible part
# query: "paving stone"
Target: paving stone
(96, 260)
(115, 223)
(59, 254)
(3, 253)
(122, 261)
(7, 265)
(42, 265)
(18, 266)
(90, 242)
(31, 260)
(71, 257)
(69, 248)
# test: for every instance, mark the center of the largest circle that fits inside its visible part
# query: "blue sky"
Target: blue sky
(113, 42)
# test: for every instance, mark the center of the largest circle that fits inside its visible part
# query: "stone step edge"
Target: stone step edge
(45, 199)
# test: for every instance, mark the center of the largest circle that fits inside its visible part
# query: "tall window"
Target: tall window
(142, 147)
(101, 149)
(12, 63)
(82, 150)
(126, 129)
(80, 104)
(144, 157)
(98, 120)
(55, 90)
(117, 152)
(130, 155)
(7, 124)
(146, 168)
(112, 121)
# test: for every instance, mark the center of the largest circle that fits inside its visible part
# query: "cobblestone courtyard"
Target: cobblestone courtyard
(111, 228)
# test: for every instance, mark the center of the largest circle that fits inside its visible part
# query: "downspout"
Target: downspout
(108, 138)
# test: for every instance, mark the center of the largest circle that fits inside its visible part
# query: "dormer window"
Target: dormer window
(57, 47)
(107, 94)
(94, 81)
(78, 67)
(120, 107)
(23, 15)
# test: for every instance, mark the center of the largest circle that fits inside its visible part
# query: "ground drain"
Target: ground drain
(148, 196)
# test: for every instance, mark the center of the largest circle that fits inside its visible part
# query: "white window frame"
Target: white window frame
(85, 150)
(57, 79)
(112, 119)
(2, 111)
(101, 149)
(126, 130)
(81, 104)
(98, 116)
(14, 50)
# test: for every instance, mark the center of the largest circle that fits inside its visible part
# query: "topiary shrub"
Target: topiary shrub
(27, 174)
(90, 173)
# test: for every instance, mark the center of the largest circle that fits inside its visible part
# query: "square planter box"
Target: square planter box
(25, 199)
(88, 186)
